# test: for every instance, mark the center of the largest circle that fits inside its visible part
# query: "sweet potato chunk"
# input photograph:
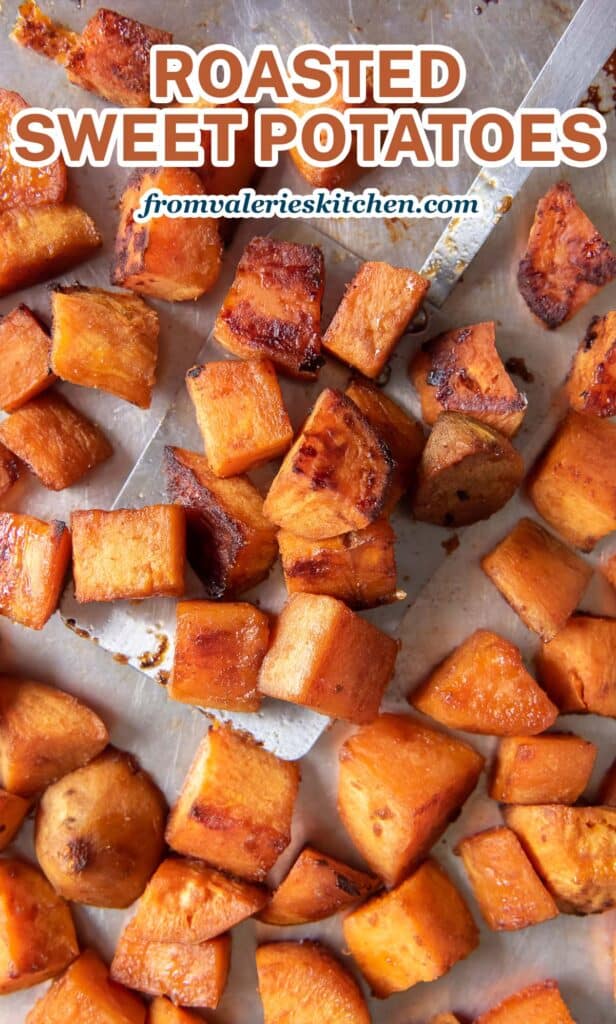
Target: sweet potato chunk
(325, 657)
(467, 472)
(218, 652)
(578, 667)
(21, 185)
(56, 442)
(37, 938)
(236, 805)
(231, 544)
(539, 576)
(316, 887)
(567, 261)
(86, 994)
(172, 258)
(399, 786)
(359, 567)
(574, 484)
(461, 371)
(36, 31)
(105, 340)
(162, 1011)
(336, 476)
(192, 975)
(375, 310)
(273, 307)
(484, 687)
(591, 385)
(537, 1004)
(13, 810)
(39, 242)
(240, 412)
(44, 733)
(550, 769)
(25, 357)
(34, 557)
(414, 933)
(9, 470)
(303, 982)
(129, 553)
(607, 789)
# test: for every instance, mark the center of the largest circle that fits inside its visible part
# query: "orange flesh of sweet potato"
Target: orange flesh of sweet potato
(236, 804)
(461, 371)
(484, 687)
(189, 974)
(13, 810)
(56, 442)
(550, 769)
(507, 888)
(607, 790)
(21, 185)
(129, 553)
(375, 310)
(162, 1011)
(578, 667)
(538, 1004)
(591, 385)
(400, 784)
(241, 414)
(414, 933)
(34, 558)
(541, 578)
(567, 261)
(231, 544)
(218, 652)
(35, 31)
(87, 995)
(303, 982)
(9, 470)
(39, 242)
(25, 355)
(336, 476)
(273, 307)
(316, 887)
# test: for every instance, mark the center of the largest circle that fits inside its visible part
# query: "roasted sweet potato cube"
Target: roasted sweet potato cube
(484, 687)
(231, 544)
(34, 558)
(129, 553)
(574, 484)
(189, 974)
(303, 982)
(461, 371)
(567, 261)
(325, 657)
(336, 476)
(236, 805)
(105, 340)
(607, 789)
(414, 933)
(44, 733)
(578, 667)
(21, 185)
(25, 356)
(538, 1004)
(591, 385)
(541, 578)
(13, 810)
(172, 258)
(36, 31)
(56, 442)
(273, 307)
(316, 887)
(550, 769)
(240, 412)
(467, 472)
(39, 242)
(163, 1011)
(37, 939)
(87, 993)
(399, 786)
(9, 470)
(218, 653)
(375, 310)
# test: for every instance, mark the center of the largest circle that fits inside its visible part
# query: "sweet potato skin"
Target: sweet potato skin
(538, 1004)
(34, 557)
(578, 667)
(85, 993)
(9, 470)
(191, 975)
(39, 242)
(13, 810)
(302, 981)
(25, 352)
(591, 385)
(21, 185)
(550, 769)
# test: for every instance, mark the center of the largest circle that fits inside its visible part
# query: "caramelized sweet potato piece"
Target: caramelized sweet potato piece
(574, 484)
(240, 412)
(461, 371)
(591, 385)
(538, 1004)
(484, 687)
(56, 442)
(607, 789)
(172, 258)
(414, 933)
(550, 769)
(578, 667)
(9, 470)
(191, 975)
(36, 31)
(303, 982)
(37, 938)
(316, 887)
(13, 810)
(541, 578)
(21, 185)
(86, 993)
(336, 476)
(162, 1011)
(325, 657)
(34, 557)
(231, 544)
(375, 310)
(129, 553)
(39, 242)
(399, 786)
(236, 804)
(567, 261)
(273, 307)
(44, 733)
(105, 340)
(25, 356)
